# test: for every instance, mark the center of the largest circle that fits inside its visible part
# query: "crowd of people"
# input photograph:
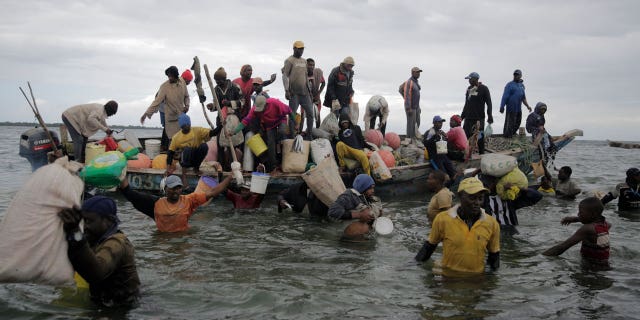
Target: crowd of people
(469, 231)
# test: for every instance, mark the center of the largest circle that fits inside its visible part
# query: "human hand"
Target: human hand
(273, 77)
(363, 215)
(70, 219)
(170, 169)
(142, 118)
(568, 220)
(529, 108)
(490, 120)
(202, 98)
(335, 104)
(501, 110)
(185, 109)
(210, 106)
(287, 95)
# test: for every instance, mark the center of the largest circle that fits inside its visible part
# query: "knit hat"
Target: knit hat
(103, 206)
(184, 120)
(187, 75)
(363, 182)
(172, 72)
(349, 60)
(261, 101)
(220, 74)
(456, 118)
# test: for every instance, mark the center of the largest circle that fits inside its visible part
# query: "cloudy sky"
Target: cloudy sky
(580, 57)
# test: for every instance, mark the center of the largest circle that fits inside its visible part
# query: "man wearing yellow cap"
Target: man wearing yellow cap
(294, 78)
(466, 231)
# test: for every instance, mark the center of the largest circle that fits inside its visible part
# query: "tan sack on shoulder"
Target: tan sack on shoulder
(33, 246)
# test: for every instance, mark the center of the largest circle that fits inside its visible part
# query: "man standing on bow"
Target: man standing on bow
(513, 98)
(340, 88)
(316, 86)
(174, 94)
(294, 78)
(476, 97)
(410, 91)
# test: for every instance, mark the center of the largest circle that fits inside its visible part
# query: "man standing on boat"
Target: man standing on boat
(230, 100)
(476, 97)
(340, 88)
(410, 91)
(174, 94)
(377, 107)
(245, 82)
(316, 82)
(85, 120)
(513, 98)
(267, 115)
(294, 78)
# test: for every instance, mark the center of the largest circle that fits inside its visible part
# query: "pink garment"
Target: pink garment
(247, 90)
(458, 138)
(275, 112)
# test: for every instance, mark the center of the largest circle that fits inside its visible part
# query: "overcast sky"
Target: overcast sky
(579, 57)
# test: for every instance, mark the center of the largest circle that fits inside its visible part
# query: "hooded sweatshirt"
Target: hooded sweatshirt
(535, 120)
(352, 136)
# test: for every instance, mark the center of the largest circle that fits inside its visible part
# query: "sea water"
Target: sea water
(267, 265)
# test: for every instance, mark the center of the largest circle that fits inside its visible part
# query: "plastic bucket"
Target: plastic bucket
(152, 147)
(132, 138)
(257, 145)
(92, 151)
(383, 226)
(441, 147)
(205, 184)
(259, 182)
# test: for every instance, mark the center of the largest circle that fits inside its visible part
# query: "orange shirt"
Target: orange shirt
(174, 217)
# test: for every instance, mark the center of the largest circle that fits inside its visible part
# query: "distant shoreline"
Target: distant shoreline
(58, 124)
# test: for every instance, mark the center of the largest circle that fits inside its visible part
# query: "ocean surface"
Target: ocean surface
(267, 265)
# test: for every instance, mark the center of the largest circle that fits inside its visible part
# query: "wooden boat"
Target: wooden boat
(409, 179)
(625, 145)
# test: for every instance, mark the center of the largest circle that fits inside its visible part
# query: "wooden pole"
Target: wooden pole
(36, 112)
(198, 80)
(217, 105)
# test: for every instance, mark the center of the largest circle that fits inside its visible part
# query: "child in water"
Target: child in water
(245, 199)
(546, 187)
(594, 233)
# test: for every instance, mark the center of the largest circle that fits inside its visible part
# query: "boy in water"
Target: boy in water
(546, 187)
(594, 233)
(245, 199)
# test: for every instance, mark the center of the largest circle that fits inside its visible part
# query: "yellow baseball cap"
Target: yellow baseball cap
(298, 44)
(471, 185)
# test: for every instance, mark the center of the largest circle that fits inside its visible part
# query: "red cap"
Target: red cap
(187, 75)
(456, 118)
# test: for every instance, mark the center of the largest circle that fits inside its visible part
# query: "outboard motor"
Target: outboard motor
(35, 144)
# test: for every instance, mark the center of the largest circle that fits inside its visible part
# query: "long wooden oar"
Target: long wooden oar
(36, 112)
(198, 81)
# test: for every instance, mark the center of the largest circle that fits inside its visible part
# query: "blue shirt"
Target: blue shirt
(513, 96)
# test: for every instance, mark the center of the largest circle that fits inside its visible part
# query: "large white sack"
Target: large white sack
(320, 149)
(330, 124)
(33, 247)
(496, 164)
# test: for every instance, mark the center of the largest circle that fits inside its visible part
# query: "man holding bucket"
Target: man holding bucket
(267, 115)
(191, 144)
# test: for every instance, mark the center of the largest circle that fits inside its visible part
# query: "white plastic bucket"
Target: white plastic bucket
(383, 226)
(259, 182)
(132, 138)
(152, 147)
(441, 147)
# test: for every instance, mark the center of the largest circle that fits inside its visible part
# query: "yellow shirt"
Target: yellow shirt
(442, 200)
(463, 249)
(195, 137)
